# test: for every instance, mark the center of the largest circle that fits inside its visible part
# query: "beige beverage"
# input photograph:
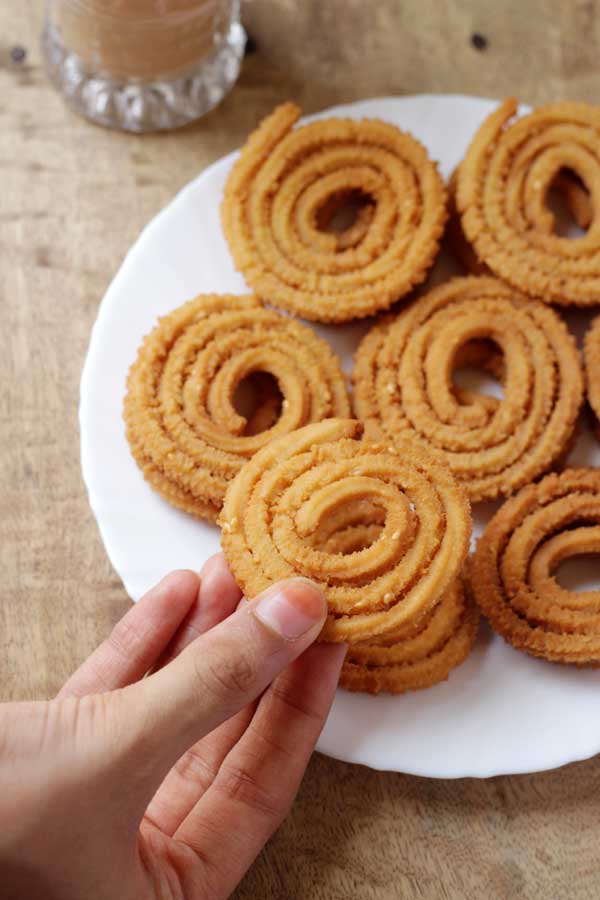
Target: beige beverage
(188, 51)
(142, 39)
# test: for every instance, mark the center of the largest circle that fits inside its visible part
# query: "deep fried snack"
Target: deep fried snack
(403, 385)
(287, 186)
(444, 640)
(301, 491)
(591, 356)
(454, 237)
(575, 198)
(503, 183)
(511, 573)
(182, 425)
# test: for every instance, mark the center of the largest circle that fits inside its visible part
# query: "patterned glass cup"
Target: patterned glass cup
(143, 65)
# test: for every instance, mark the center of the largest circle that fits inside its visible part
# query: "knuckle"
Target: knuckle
(124, 640)
(228, 673)
(195, 768)
(288, 696)
(240, 785)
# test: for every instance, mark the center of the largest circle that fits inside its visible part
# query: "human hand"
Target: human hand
(167, 787)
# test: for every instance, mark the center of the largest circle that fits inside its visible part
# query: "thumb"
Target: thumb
(222, 671)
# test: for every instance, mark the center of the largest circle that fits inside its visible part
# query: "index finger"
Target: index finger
(138, 639)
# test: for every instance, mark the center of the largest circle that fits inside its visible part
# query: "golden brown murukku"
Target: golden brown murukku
(512, 571)
(443, 641)
(454, 238)
(591, 356)
(183, 427)
(404, 388)
(300, 491)
(503, 185)
(288, 185)
(576, 198)
(569, 189)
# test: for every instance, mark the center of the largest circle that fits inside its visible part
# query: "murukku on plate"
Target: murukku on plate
(289, 188)
(286, 510)
(420, 659)
(502, 192)
(565, 186)
(183, 426)
(404, 385)
(455, 240)
(512, 573)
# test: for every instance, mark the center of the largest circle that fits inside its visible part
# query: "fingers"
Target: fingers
(221, 672)
(138, 639)
(194, 772)
(259, 778)
(217, 598)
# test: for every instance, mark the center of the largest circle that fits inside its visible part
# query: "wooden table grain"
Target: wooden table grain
(73, 198)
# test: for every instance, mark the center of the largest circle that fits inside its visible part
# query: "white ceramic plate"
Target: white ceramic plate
(502, 711)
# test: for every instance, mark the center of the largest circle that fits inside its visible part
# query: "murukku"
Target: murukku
(512, 571)
(294, 504)
(503, 186)
(591, 356)
(288, 188)
(183, 427)
(568, 188)
(404, 387)
(455, 239)
(420, 660)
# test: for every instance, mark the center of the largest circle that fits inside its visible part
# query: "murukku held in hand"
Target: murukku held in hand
(289, 184)
(503, 185)
(292, 509)
(404, 387)
(183, 427)
(512, 573)
(420, 659)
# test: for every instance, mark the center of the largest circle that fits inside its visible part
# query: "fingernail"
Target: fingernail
(291, 608)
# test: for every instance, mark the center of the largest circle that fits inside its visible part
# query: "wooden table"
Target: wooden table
(73, 198)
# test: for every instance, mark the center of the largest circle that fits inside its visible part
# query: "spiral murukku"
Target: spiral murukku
(569, 189)
(287, 189)
(420, 660)
(591, 356)
(301, 492)
(512, 571)
(183, 427)
(503, 186)
(454, 238)
(404, 387)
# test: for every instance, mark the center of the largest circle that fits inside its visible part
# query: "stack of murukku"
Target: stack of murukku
(382, 530)
(239, 414)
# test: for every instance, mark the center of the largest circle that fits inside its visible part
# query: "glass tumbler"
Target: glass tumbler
(143, 65)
